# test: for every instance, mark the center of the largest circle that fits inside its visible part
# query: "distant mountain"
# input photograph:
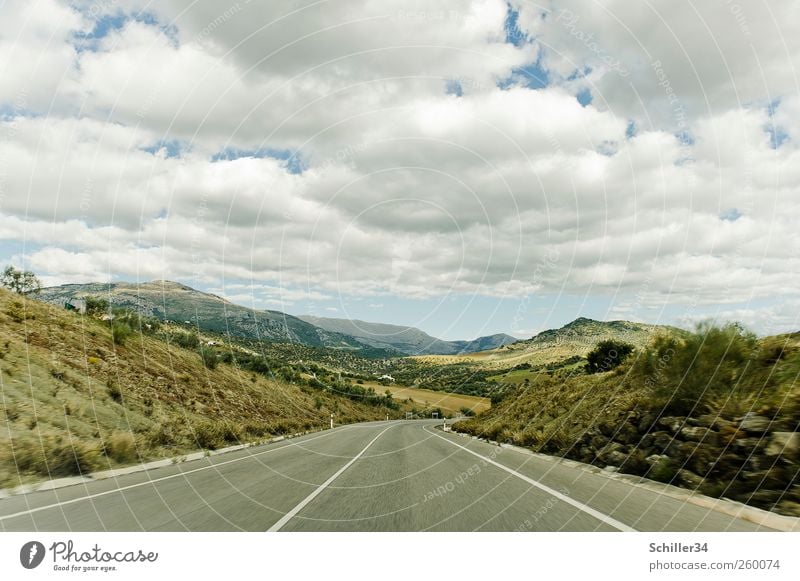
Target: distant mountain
(407, 340)
(574, 339)
(180, 303)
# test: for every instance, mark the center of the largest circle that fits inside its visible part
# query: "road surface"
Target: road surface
(379, 476)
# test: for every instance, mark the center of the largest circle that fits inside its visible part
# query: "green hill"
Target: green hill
(406, 340)
(172, 301)
(717, 410)
(74, 400)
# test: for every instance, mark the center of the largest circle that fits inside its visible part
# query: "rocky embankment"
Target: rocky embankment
(750, 459)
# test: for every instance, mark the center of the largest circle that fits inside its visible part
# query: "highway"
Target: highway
(378, 476)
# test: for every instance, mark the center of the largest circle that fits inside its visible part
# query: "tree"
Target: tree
(607, 355)
(96, 306)
(19, 281)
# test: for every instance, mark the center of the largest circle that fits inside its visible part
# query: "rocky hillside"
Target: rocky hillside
(76, 400)
(717, 411)
(166, 300)
(406, 340)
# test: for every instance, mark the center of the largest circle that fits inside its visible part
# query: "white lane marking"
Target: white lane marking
(579, 505)
(292, 513)
(153, 481)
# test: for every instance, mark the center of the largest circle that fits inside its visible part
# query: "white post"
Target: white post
(331, 421)
(387, 417)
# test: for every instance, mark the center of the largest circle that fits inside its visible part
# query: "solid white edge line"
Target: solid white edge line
(153, 481)
(292, 513)
(579, 505)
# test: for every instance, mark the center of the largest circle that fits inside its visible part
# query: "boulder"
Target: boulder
(689, 479)
(710, 421)
(655, 458)
(754, 423)
(696, 434)
(783, 443)
(673, 424)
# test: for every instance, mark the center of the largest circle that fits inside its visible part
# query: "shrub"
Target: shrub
(465, 411)
(120, 332)
(121, 446)
(686, 375)
(209, 357)
(114, 392)
(96, 306)
(186, 340)
(54, 456)
(607, 355)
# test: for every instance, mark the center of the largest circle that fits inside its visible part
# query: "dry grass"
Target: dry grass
(71, 399)
(447, 402)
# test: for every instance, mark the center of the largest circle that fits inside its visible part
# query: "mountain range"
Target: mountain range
(177, 302)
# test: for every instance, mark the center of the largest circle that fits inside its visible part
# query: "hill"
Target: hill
(573, 340)
(717, 410)
(74, 400)
(406, 340)
(172, 301)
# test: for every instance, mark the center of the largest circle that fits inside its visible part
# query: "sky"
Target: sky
(464, 166)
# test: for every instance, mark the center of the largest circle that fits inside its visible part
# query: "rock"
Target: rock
(671, 423)
(783, 443)
(627, 434)
(689, 478)
(710, 421)
(616, 457)
(662, 442)
(646, 422)
(695, 434)
(611, 469)
(749, 444)
(655, 458)
(754, 423)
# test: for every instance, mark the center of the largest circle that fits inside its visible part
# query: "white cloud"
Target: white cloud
(106, 165)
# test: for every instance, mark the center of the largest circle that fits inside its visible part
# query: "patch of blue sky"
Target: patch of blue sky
(530, 76)
(292, 161)
(730, 215)
(453, 87)
(584, 97)
(171, 147)
(514, 34)
(108, 23)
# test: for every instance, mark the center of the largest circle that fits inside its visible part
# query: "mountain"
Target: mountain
(74, 400)
(176, 302)
(407, 340)
(573, 340)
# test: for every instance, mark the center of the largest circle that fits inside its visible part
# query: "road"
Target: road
(379, 476)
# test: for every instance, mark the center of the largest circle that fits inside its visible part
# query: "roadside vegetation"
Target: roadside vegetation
(83, 392)
(716, 410)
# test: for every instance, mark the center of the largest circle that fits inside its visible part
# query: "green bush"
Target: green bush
(607, 355)
(209, 357)
(120, 332)
(687, 375)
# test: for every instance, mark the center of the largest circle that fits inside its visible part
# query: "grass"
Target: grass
(73, 399)
(448, 402)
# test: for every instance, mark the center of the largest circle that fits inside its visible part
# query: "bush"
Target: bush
(54, 456)
(96, 306)
(209, 357)
(465, 411)
(607, 355)
(121, 446)
(120, 332)
(186, 340)
(712, 364)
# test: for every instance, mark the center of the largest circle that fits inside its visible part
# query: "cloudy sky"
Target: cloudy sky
(465, 166)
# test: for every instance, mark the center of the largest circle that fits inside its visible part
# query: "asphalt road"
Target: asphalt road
(380, 476)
